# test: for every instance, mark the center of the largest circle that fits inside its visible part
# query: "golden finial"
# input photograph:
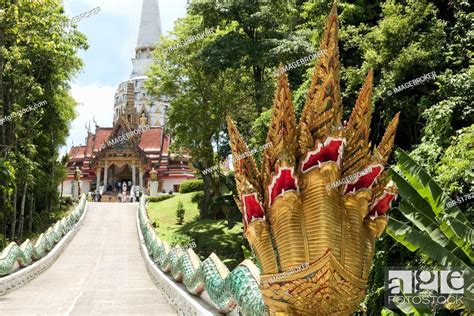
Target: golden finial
(281, 132)
(245, 169)
(388, 139)
(357, 151)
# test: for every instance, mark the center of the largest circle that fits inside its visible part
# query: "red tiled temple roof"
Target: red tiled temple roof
(77, 152)
(89, 145)
(101, 136)
(166, 145)
(150, 140)
(153, 144)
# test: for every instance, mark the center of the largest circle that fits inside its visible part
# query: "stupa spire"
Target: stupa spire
(149, 34)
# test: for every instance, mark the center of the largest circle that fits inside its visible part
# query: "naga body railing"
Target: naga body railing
(227, 290)
(36, 257)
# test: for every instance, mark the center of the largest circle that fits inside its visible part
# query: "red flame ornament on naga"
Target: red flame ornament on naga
(314, 209)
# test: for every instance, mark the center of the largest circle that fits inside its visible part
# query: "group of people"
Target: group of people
(126, 192)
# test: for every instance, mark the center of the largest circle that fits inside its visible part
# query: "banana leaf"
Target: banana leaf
(432, 228)
(387, 312)
(415, 240)
(460, 233)
(418, 189)
(421, 181)
(409, 309)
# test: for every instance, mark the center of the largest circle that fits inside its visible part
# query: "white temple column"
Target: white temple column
(140, 177)
(99, 170)
(105, 176)
(134, 175)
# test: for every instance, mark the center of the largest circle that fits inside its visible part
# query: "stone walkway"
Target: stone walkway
(101, 272)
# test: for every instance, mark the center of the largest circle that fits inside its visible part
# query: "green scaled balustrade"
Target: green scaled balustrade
(227, 290)
(14, 256)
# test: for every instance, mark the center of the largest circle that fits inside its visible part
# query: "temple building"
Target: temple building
(136, 143)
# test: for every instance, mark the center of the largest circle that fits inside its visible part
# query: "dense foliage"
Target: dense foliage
(191, 186)
(158, 198)
(232, 72)
(37, 58)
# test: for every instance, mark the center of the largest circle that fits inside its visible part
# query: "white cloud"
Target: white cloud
(130, 10)
(120, 7)
(95, 101)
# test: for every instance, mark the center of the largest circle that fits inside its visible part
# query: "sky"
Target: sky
(112, 36)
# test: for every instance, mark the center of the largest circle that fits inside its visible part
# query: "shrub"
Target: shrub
(67, 201)
(158, 198)
(180, 213)
(3, 242)
(180, 240)
(191, 186)
(197, 197)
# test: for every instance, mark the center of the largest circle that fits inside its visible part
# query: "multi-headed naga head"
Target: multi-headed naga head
(314, 209)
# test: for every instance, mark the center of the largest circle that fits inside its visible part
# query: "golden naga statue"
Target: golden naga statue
(313, 212)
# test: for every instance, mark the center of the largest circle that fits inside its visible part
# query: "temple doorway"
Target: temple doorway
(122, 177)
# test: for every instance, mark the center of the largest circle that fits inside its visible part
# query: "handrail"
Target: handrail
(227, 291)
(14, 257)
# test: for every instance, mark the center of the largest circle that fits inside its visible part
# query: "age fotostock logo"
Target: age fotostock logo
(424, 288)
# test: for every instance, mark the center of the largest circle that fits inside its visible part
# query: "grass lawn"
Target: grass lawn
(163, 214)
(208, 234)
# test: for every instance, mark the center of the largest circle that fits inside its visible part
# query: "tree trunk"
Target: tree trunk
(3, 196)
(2, 94)
(4, 213)
(258, 82)
(30, 217)
(22, 212)
(50, 191)
(206, 199)
(13, 227)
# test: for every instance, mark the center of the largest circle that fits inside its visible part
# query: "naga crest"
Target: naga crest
(314, 209)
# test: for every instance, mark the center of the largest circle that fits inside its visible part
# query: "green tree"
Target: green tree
(404, 44)
(37, 58)
(455, 171)
(445, 150)
(199, 100)
(259, 35)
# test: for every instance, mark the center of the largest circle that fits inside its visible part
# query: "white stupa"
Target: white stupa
(148, 37)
